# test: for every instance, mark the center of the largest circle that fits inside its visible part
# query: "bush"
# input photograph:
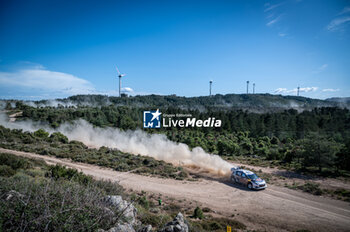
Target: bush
(58, 172)
(57, 136)
(183, 174)
(41, 133)
(14, 162)
(216, 224)
(6, 171)
(312, 188)
(156, 220)
(198, 213)
(50, 205)
(144, 202)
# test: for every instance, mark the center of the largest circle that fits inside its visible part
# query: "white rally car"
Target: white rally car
(247, 178)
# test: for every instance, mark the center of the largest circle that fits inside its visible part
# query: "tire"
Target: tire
(250, 186)
(233, 179)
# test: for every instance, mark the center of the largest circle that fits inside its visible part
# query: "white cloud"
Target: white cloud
(308, 89)
(282, 34)
(321, 68)
(273, 21)
(295, 90)
(281, 90)
(338, 23)
(39, 80)
(324, 66)
(345, 10)
(127, 90)
(270, 7)
(330, 90)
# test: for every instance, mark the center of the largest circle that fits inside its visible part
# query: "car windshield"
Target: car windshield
(253, 176)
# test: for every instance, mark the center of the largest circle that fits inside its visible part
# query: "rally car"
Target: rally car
(247, 178)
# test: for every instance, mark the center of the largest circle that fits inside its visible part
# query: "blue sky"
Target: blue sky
(54, 48)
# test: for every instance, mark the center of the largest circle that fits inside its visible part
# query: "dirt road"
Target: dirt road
(12, 117)
(274, 209)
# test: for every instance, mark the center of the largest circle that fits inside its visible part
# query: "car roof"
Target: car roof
(247, 172)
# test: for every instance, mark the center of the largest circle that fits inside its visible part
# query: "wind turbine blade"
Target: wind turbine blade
(117, 70)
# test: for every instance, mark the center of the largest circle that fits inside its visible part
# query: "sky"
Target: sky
(53, 49)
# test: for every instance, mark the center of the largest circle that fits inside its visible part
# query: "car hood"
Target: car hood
(259, 181)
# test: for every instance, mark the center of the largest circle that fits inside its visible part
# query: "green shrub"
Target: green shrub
(172, 208)
(58, 172)
(41, 133)
(198, 213)
(156, 220)
(50, 205)
(57, 136)
(215, 226)
(183, 174)
(312, 188)
(144, 202)
(14, 162)
(6, 171)
(218, 224)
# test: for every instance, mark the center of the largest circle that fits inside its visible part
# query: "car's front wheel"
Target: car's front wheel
(250, 186)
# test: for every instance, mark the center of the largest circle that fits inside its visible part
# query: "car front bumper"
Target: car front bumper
(259, 186)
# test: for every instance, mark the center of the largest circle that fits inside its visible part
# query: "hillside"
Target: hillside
(341, 100)
(252, 102)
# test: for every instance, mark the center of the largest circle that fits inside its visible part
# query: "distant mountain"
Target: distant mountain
(251, 102)
(342, 100)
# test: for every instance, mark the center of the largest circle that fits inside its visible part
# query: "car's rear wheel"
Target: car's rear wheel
(250, 186)
(233, 179)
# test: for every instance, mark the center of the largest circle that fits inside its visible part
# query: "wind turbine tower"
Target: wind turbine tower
(298, 91)
(247, 87)
(253, 88)
(120, 75)
(210, 84)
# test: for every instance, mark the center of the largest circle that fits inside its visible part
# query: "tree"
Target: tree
(320, 152)
(41, 133)
(57, 136)
(343, 157)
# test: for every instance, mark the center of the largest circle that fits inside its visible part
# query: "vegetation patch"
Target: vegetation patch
(58, 145)
(46, 202)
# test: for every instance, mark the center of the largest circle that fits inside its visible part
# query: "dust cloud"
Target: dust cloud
(135, 142)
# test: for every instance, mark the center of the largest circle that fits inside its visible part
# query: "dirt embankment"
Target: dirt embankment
(274, 209)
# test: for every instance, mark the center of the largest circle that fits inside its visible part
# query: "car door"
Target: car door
(238, 176)
(244, 179)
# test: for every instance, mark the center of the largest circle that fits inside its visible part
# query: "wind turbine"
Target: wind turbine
(247, 87)
(210, 83)
(120, 75)
(298, 90)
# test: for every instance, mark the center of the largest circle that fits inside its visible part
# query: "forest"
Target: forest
(316, 140)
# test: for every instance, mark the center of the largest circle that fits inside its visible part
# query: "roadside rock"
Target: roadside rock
(128, 209)
(145, 229)
(122, 228)
(176, 225)
(11, 194)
